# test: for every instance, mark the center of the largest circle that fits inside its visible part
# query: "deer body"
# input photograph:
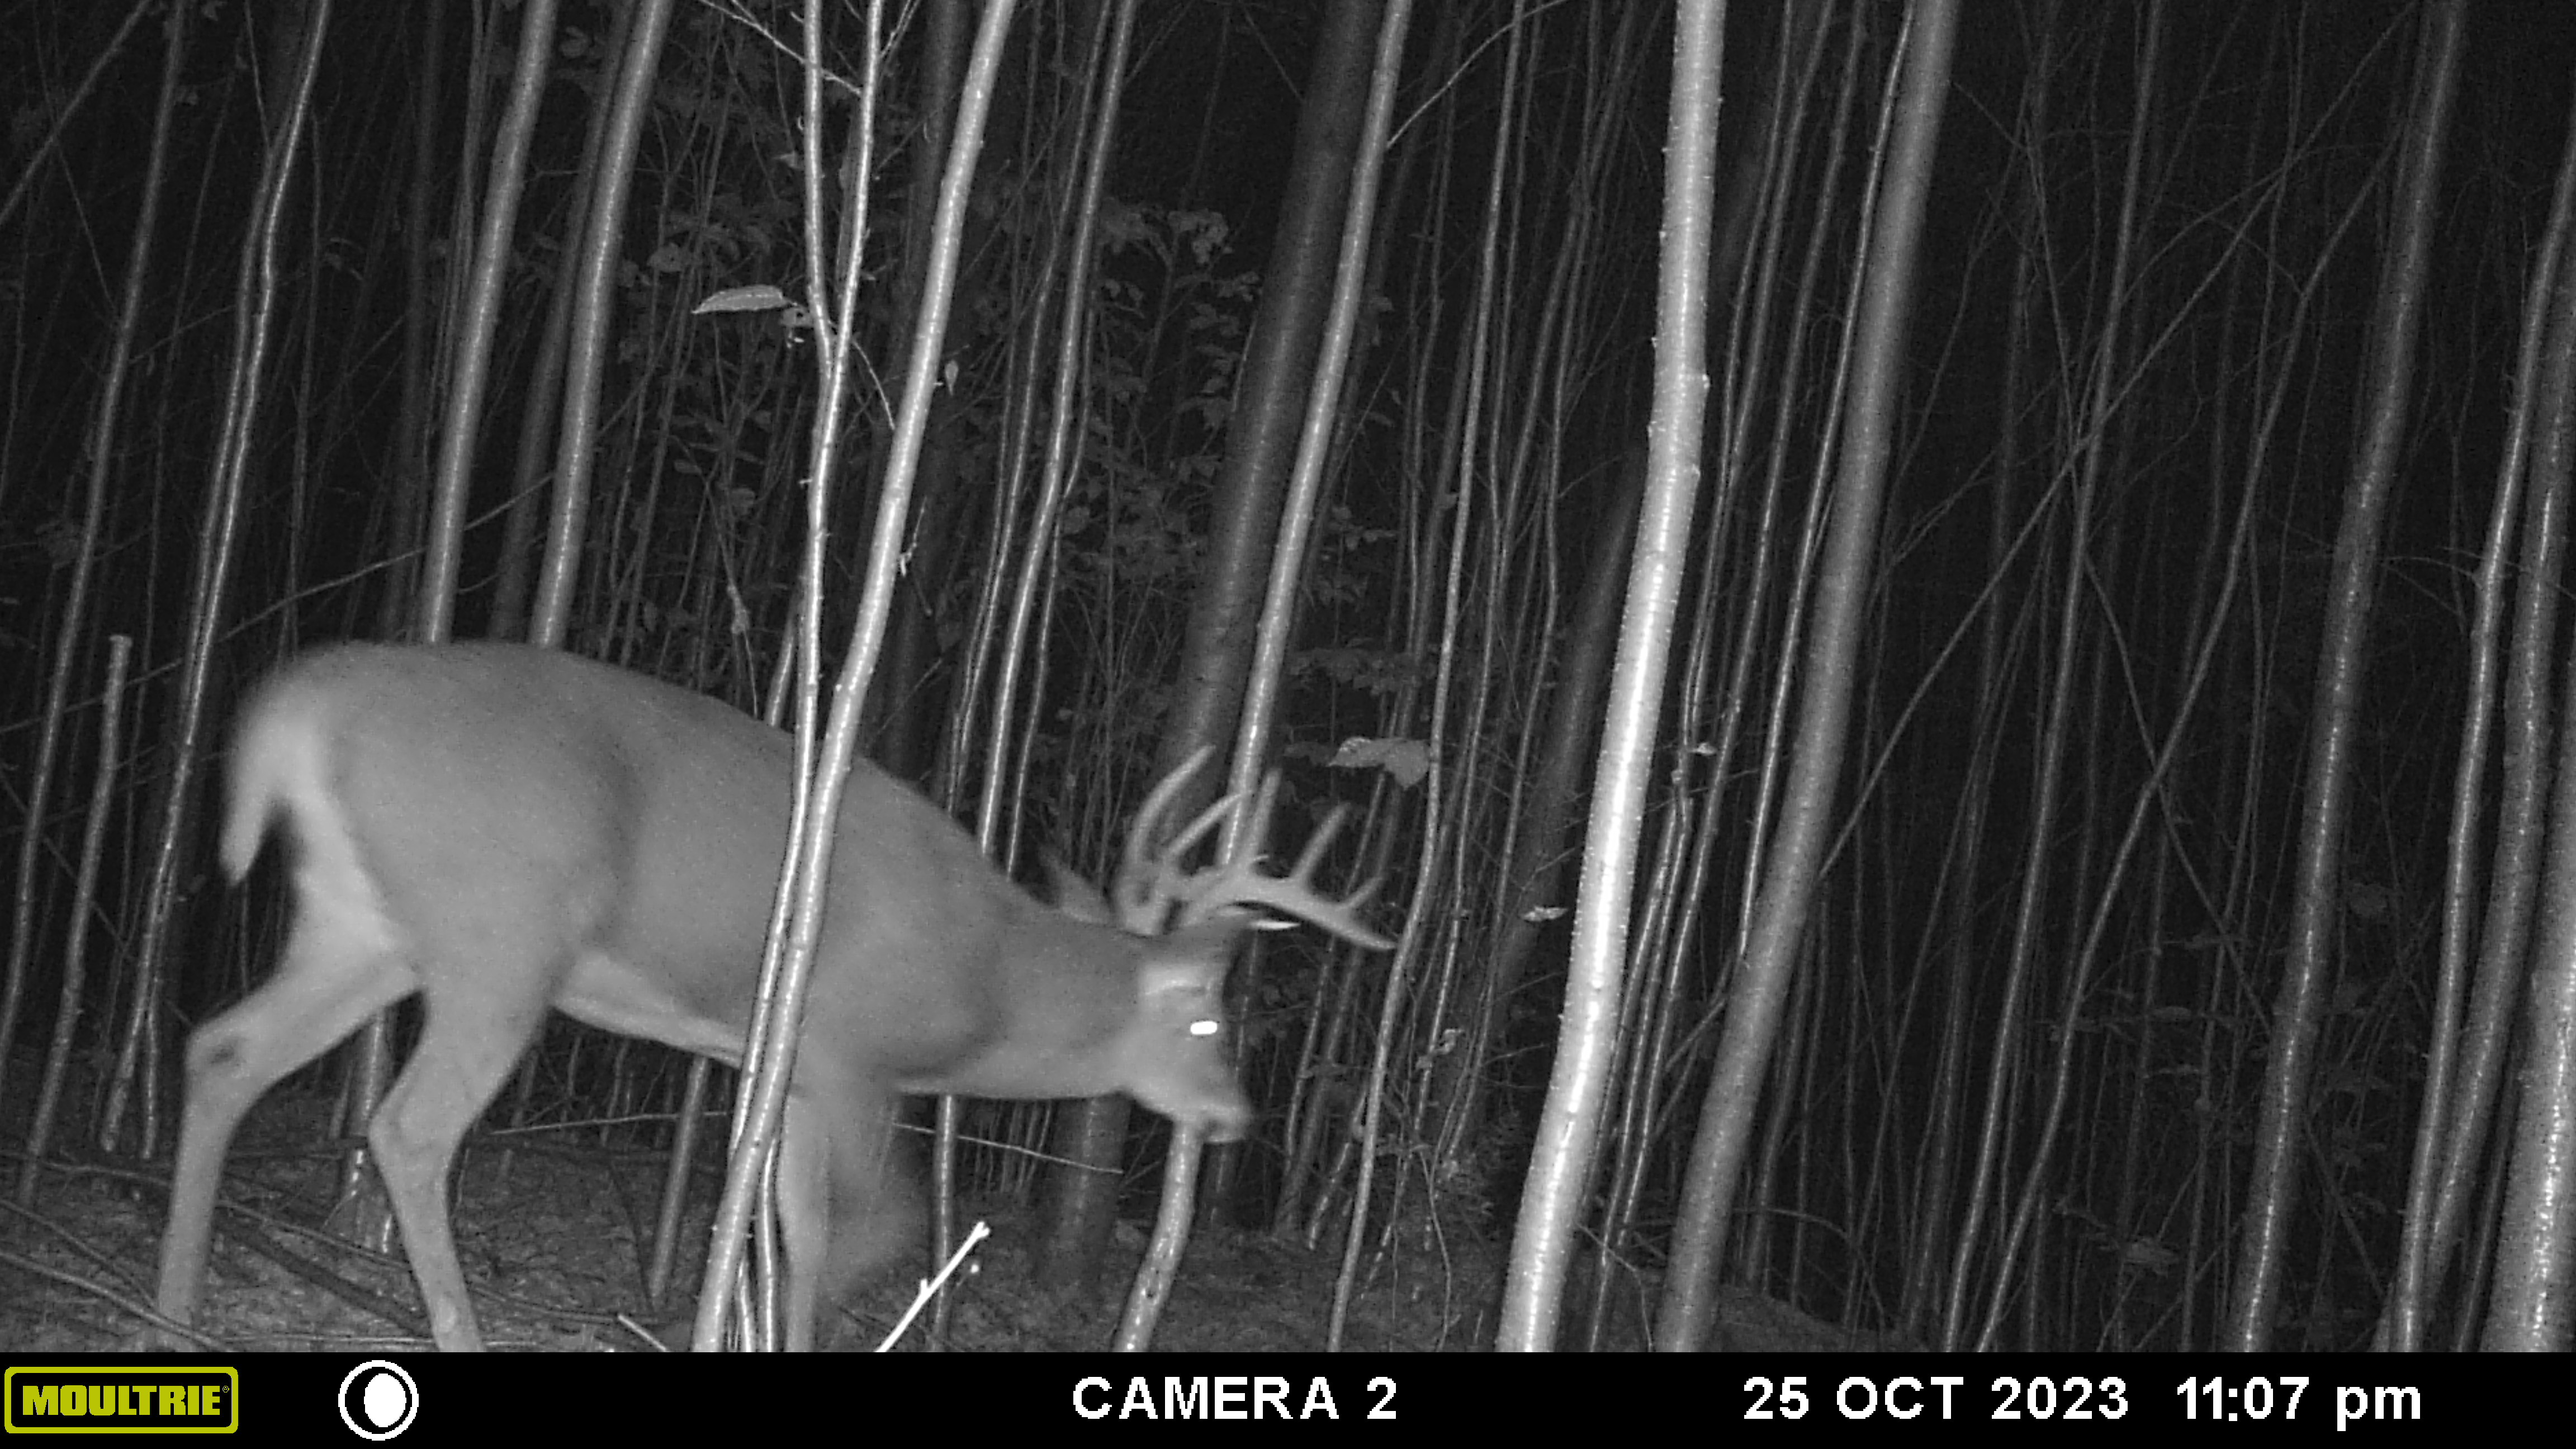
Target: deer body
(503, 829)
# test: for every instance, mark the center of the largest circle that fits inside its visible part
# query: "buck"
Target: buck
(503, 829)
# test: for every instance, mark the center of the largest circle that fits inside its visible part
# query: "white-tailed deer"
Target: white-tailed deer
(503, 829)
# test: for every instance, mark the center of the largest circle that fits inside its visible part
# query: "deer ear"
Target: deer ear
(1075, 896)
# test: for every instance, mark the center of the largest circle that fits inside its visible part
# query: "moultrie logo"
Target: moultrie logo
(110, 1400)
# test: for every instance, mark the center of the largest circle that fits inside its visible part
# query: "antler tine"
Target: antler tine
(1133, 893)
(1175, 886)
(1256, 827)
(1197, 830)
(1314, 853)
(1320, 841)
(1239, 882)
(1158, 803)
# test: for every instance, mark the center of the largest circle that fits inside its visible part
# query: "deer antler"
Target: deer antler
(1152, 885)
(1141, 904)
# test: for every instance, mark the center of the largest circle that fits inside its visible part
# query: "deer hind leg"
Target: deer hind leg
(489, 986)
(341, 967)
